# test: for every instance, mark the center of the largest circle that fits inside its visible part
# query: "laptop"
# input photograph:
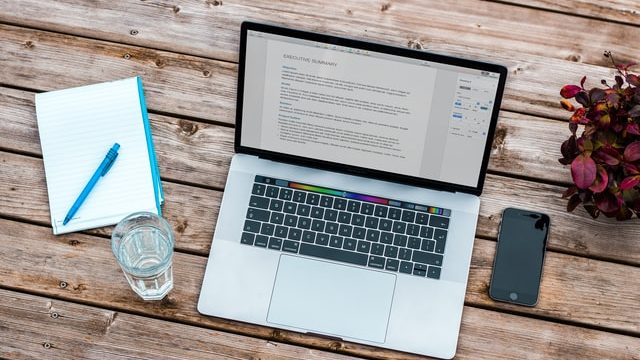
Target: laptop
(351, 203)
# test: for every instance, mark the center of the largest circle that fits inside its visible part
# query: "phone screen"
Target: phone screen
(519, 257)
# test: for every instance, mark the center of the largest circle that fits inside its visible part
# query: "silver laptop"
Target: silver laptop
(351, 203)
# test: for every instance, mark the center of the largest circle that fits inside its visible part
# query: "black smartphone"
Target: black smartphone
(517, 268)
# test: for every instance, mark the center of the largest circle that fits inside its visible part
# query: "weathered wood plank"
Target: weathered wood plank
(33, 327)
(203, 88)
(192, 211)
(624, 11)
(38, 262)
(210, 28)
(174, 83)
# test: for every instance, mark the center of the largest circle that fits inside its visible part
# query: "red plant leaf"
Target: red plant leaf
(584, 78)
(569, 91)
(633, 79)
(569, 147)
(631, 169)
(592, 210)
(582, 98)
(583, 171)
(606, 202)
(634, 111)
(573, 202)
(578, 116)
(602, 180)
(608, 155)
(567, 105)
(569, 192)
(596, 94)
(605, 120)
(632, 151)
(573, 127)
(630, 182)
(619, 79)
(633, 128)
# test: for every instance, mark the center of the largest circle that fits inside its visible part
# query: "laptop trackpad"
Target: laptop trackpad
(332, 299)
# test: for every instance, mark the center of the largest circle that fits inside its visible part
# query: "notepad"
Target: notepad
(77, 128)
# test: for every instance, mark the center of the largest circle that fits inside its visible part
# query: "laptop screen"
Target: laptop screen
(367, 109)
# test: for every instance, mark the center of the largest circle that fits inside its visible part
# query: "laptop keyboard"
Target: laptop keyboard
(337, 225)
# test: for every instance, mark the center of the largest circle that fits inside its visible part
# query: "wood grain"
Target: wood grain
(34, 327)
(210, 28)
(37, 262)
(623, 11)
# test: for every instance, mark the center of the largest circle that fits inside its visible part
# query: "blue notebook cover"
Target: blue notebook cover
(152, 154)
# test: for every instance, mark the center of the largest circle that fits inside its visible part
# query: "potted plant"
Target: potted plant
(605, 157)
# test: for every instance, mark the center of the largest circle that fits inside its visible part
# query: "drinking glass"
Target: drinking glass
(143, 246)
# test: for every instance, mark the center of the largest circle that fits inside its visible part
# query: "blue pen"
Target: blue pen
(100, 172)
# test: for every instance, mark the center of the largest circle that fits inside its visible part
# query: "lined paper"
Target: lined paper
(77, 128)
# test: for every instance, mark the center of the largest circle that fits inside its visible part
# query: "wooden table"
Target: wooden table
(65, 297)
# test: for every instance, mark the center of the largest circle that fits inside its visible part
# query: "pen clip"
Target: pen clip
(112, 158)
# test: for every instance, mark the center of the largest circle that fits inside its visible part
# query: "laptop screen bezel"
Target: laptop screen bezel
(351, 169)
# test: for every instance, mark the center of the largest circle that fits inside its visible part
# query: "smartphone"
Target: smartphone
(517, 267)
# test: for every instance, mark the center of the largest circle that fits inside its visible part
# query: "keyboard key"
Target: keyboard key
(313, 199)
(386, 237)
(340, 204)
(439, 247)
(259, 202)
(440, 235)
(251, 226)
(400, 240)
(385, 225)
(258, 189)
(261, 241)
(309, 236)
(289, 207)
(406, 267)
(317, 212)
(399, 227)
(247, 238)
(295, 234)
(414, 242)
(290, 246)
(371, 222)
(271, 192)
(333, 254)
(377, 249)
(413, 229)
(276, 218)
(258, 214)
(433, 272)
(357, 220)
(372, 235)
(422, 218)
(408, 216)
(326, 201)
(331, 228)
(426, 232)
(317, 225)
(367, 208)
(299, 196)
(439, 221)
(350, 244)
(330, 215)
(427, 258)
(267, 229)
(428, 245)
(394, 213)
(275, 243)
(304, 223)
(276, 205)
(392, 265)
(303, 210)
(404, 254)
(381, 211)
(344, 217)
(286, 194)
(322, 239)
(345, 230)
(281, 231)
(290, 220)
(391, 251)
(336, 241)
(260, 179)
(359, 232)
(363, 246)
(419, 269)
(376, 262)
(353, 206)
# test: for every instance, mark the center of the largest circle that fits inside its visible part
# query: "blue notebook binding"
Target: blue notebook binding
(152, 154)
